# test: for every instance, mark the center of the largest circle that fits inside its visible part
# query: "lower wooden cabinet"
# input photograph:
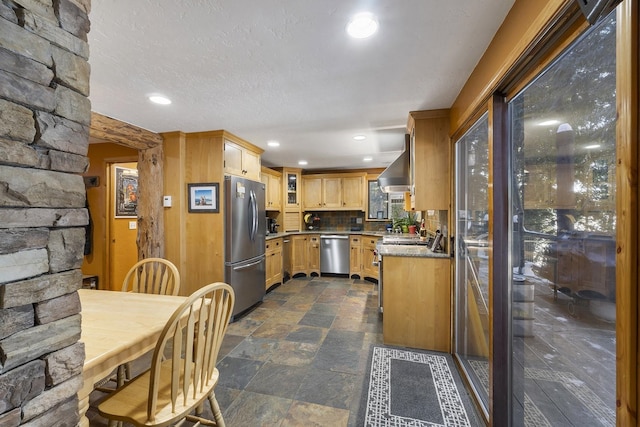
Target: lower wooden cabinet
(273, 253)
(417, 302)
(314, 255)
(355, 256)
(299, 254)
(369, 257)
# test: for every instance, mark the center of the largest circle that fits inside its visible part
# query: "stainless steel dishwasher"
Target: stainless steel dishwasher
(334, 254)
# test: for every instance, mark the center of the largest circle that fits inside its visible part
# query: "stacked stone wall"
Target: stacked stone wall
(44, 135)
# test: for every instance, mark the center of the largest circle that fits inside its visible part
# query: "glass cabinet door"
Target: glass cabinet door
(292, 180)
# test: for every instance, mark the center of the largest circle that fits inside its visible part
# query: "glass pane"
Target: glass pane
(563, 237)
(378, 202)
(472, 257)
(292, 189)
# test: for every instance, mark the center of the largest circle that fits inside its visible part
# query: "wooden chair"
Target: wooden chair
(183, 367)
(150, 276)
(153, 276)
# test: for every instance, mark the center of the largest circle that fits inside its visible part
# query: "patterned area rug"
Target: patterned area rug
(414, 388)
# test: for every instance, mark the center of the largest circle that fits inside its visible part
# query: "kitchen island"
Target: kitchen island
(416, 292)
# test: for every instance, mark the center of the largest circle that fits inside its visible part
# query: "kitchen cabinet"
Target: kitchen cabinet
(353, 190)
(417, 303)
(240, 160)
(355, 256)
(312, 193)
(291, 221)
(430, 160)
(313, 260)
(369, 257)
(291, 191)
(299, 254)
(291, 186)
(273, 253)
(273, 182)
(334, 191)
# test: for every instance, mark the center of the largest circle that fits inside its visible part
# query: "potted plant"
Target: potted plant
(405, 222)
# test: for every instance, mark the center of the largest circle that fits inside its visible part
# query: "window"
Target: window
(383, 206)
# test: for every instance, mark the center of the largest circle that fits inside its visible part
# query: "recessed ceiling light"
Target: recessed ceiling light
(302, 162)
(273, 143)
(367, 159)
(359, 137)
(592, 147)
(362, 25)
(159, 99)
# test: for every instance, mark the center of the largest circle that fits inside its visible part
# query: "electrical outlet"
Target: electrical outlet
(133, 225)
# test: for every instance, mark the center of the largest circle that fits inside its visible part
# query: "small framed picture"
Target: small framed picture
(380, 215)
(204, 197)
(126, 192)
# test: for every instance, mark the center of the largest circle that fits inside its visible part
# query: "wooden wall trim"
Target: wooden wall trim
(112, 130)
(522, 28)
(628, 214)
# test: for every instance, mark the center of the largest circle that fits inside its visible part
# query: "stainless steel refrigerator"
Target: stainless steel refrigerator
(244, 232)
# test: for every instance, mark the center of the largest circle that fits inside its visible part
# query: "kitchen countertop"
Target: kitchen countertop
(417, 251)
(325, 231)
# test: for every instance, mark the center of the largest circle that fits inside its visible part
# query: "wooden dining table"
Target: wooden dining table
(118, 327)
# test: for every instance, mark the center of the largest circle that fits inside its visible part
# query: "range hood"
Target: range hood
(395, 178)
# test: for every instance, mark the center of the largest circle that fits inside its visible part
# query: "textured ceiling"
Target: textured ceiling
(286, 70)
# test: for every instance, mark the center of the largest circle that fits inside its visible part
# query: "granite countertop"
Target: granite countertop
(417, 251)
(324, 231)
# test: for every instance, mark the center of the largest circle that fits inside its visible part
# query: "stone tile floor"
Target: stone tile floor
(299, 358)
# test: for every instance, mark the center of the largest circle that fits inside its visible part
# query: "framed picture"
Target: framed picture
(126, 192)
(204, 197)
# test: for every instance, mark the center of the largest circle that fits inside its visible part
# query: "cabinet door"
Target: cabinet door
(269, 264)
(232, 159)
(291, 187)
(353, 193)
(368, 257)
(292, 221)
(312, 193)
(299, 252)
(251, 165)
(355, 256)
(274, 193)
(314, 255)
(267, 190)
(431, 168)
(332, 193)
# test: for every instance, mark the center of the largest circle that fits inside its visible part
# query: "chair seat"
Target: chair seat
(129, 403)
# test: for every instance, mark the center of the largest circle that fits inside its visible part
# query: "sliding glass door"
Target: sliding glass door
(560, 267)
(472, 257)
(563, 158)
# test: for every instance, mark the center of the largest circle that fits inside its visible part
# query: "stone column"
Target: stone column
(44, 133)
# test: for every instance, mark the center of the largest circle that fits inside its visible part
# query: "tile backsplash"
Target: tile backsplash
(355, 220)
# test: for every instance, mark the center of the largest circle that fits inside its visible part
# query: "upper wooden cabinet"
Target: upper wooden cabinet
(273, 182)
(353, 192)
(241, 160)
(291, 186)
(430, 160)
(334, 191)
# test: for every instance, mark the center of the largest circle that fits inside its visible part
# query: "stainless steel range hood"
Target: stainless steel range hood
(395, 178)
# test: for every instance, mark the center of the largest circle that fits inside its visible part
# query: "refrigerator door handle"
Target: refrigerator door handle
(254, 214)
(242, 267)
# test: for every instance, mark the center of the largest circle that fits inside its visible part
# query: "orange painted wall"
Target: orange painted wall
(100, 155)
